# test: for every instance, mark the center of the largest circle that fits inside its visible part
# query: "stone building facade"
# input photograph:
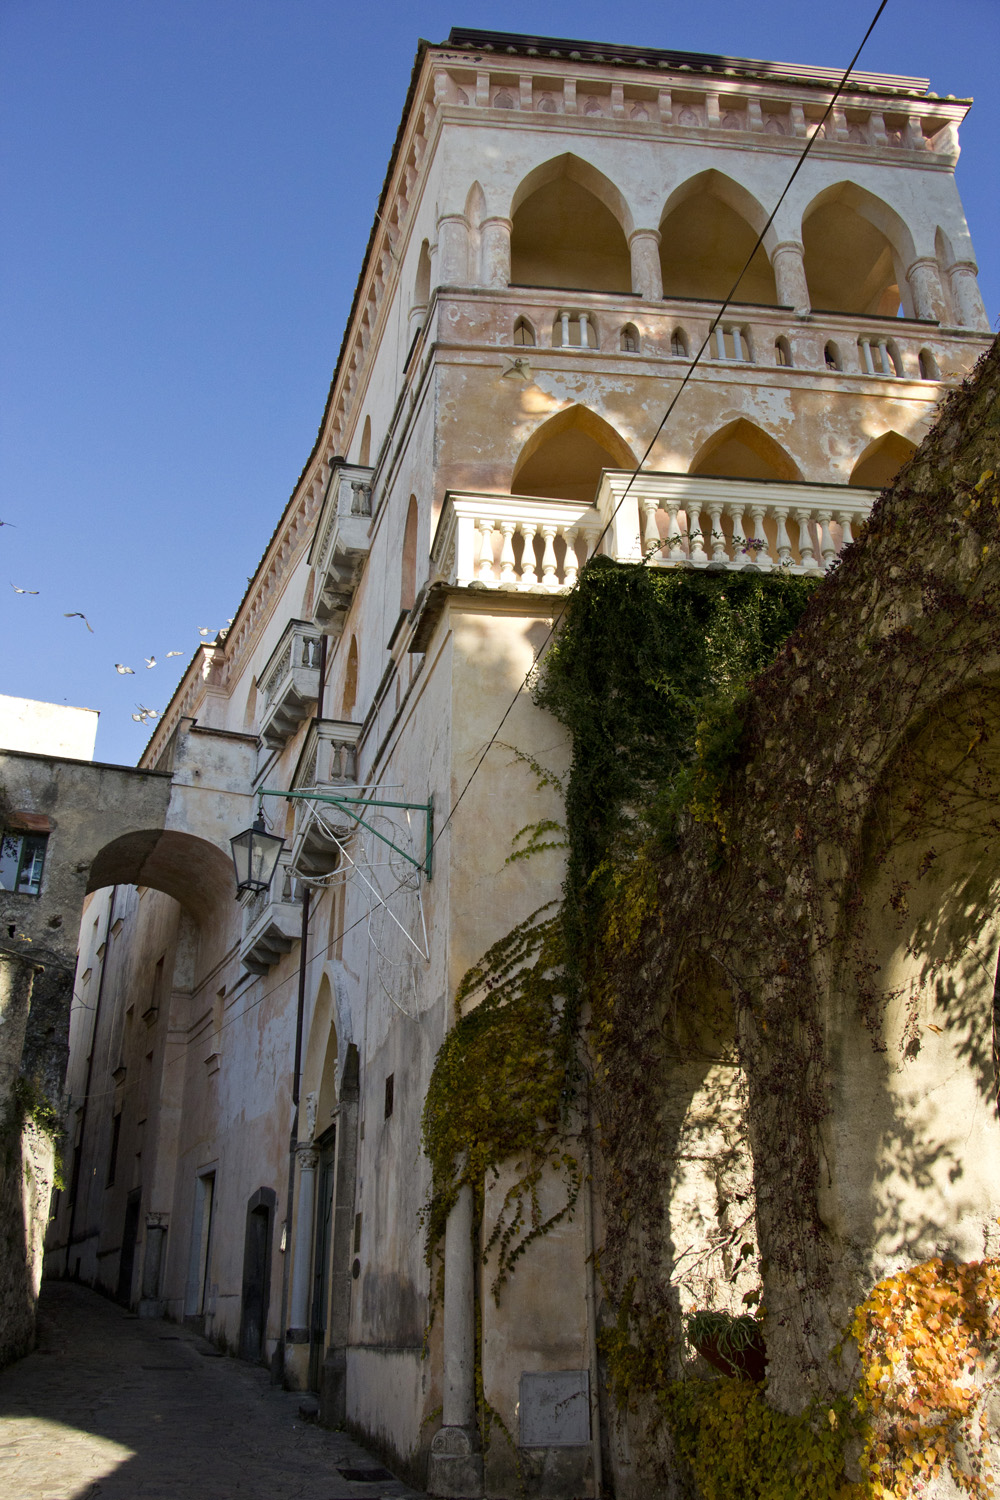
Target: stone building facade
(558, 226)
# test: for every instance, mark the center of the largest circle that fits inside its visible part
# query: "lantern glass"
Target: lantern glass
(255, 856)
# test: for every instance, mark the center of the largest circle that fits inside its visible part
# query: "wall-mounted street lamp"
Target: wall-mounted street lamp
(255, 856)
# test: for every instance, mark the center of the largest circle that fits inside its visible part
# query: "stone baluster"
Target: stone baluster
(486, 573)
(827, 550)
(844, 517)
(591, 530)
(564, 320)
(807, 552)
(650, 530)
(584, 331)
(647, 277)
(675, 542)
(761, 557)
(718, 538)
(888, 368)
(782, 545)
(866, 354)
(696, 540)
(550, 564)
(496, 251)
(529, 572)
(571, 567)
(720, 341)
(508, 577)
(740, 558)
(737, 343)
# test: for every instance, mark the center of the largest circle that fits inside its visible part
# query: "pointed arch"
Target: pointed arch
(856, 249)
(196, 873)
(408, 577)
(570, 227)
(351, 678)
(564, 457)
(707, 232)
(880, 462)
(742, 450)
(365, 451)
(422, 283)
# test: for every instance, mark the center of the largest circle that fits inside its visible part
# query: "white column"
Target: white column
(549, 561)
(453, 250)
(496, 251)
(298, 1326)
(866, 354)
(790, 275)
(737, 344)
(647, 277)
(720, 341)
(782, 545)
(807, 552)
(584, 331)
(456, 1466)
(925, 289)
(508, 578)
(967, 296)
(564, 321)
(888, 368)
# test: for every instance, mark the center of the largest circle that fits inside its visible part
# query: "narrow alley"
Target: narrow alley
(113, 1407)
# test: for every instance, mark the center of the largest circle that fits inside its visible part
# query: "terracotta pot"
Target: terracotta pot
(748, 1363)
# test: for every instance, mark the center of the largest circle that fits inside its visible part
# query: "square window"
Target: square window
(22, 859)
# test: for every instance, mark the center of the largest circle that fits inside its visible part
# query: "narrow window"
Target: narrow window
(389, 1091)
(831, 355)
(116, 1130)
(679, 343)
(928, 366)
(408, 581)
(366, 443)
(357, 1234)
(523, 333)
(22, 859)
(783, 352)
(630, 339)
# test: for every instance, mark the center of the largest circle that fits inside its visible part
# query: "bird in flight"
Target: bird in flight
(122, 670)
(205, 631)
(175, 653)
(150, 661)
(74, 614)
(14, 585)
(8, 523)
(150, 713)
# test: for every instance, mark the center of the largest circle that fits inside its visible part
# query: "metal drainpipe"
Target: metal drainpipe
(590, 1271)
(278, 1374)
(90, 1070)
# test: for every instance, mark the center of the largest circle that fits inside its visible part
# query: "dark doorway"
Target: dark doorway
(321, 1256)
(130, 1234)
(256, 1274)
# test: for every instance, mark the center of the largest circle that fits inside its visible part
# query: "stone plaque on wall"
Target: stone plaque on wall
(555, 1409)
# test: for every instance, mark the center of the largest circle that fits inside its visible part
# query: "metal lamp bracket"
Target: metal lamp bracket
(347, 805)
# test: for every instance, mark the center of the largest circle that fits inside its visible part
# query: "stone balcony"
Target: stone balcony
(520, 543)
(289, 683)
(691, 520)
(340, 545)
(272, 920)
(328, 763)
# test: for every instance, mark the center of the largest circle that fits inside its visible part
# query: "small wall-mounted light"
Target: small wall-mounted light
(255, 856)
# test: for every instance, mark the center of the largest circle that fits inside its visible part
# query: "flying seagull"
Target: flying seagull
(151, 713)
(74, 614)
(14, 585)
(150, 661)
(175, 653)
(122, 670)
(8, 523)
(139, 718)
(205, 631)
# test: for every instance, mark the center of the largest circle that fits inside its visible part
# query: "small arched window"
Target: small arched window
(782, 352)
(408, 582)
(928, 366)
(351, 678)
(630, 339)
(524, 334)
(679, 343)
(831, 355)
(895, 358)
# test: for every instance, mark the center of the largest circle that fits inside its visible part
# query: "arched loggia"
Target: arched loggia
(569, 229)
(856, 251)
(707, 232)
(741, 450)
(881, 461)
(564, 458)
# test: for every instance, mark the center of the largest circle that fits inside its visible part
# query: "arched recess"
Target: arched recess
(882, 460)
(408, 579)
(742, 450)
(196, 873)
(319, 1071)
(422, 284)
(365, 451)
(707, 231)
(912, 1140)
(563, 459)
(856, 250)
(351, 678)
(570, 227)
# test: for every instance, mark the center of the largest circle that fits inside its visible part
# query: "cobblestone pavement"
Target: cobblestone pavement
(114, 1407)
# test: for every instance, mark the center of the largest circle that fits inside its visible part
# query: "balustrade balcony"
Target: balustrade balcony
(272, 920)
(289, 683)
(513, 542)
(340, 545)
(690, 520)
(328, 763)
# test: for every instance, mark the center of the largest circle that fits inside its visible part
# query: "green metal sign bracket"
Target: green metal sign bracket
(347, 804)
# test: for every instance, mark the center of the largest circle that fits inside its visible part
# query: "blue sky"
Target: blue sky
(187, 189)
